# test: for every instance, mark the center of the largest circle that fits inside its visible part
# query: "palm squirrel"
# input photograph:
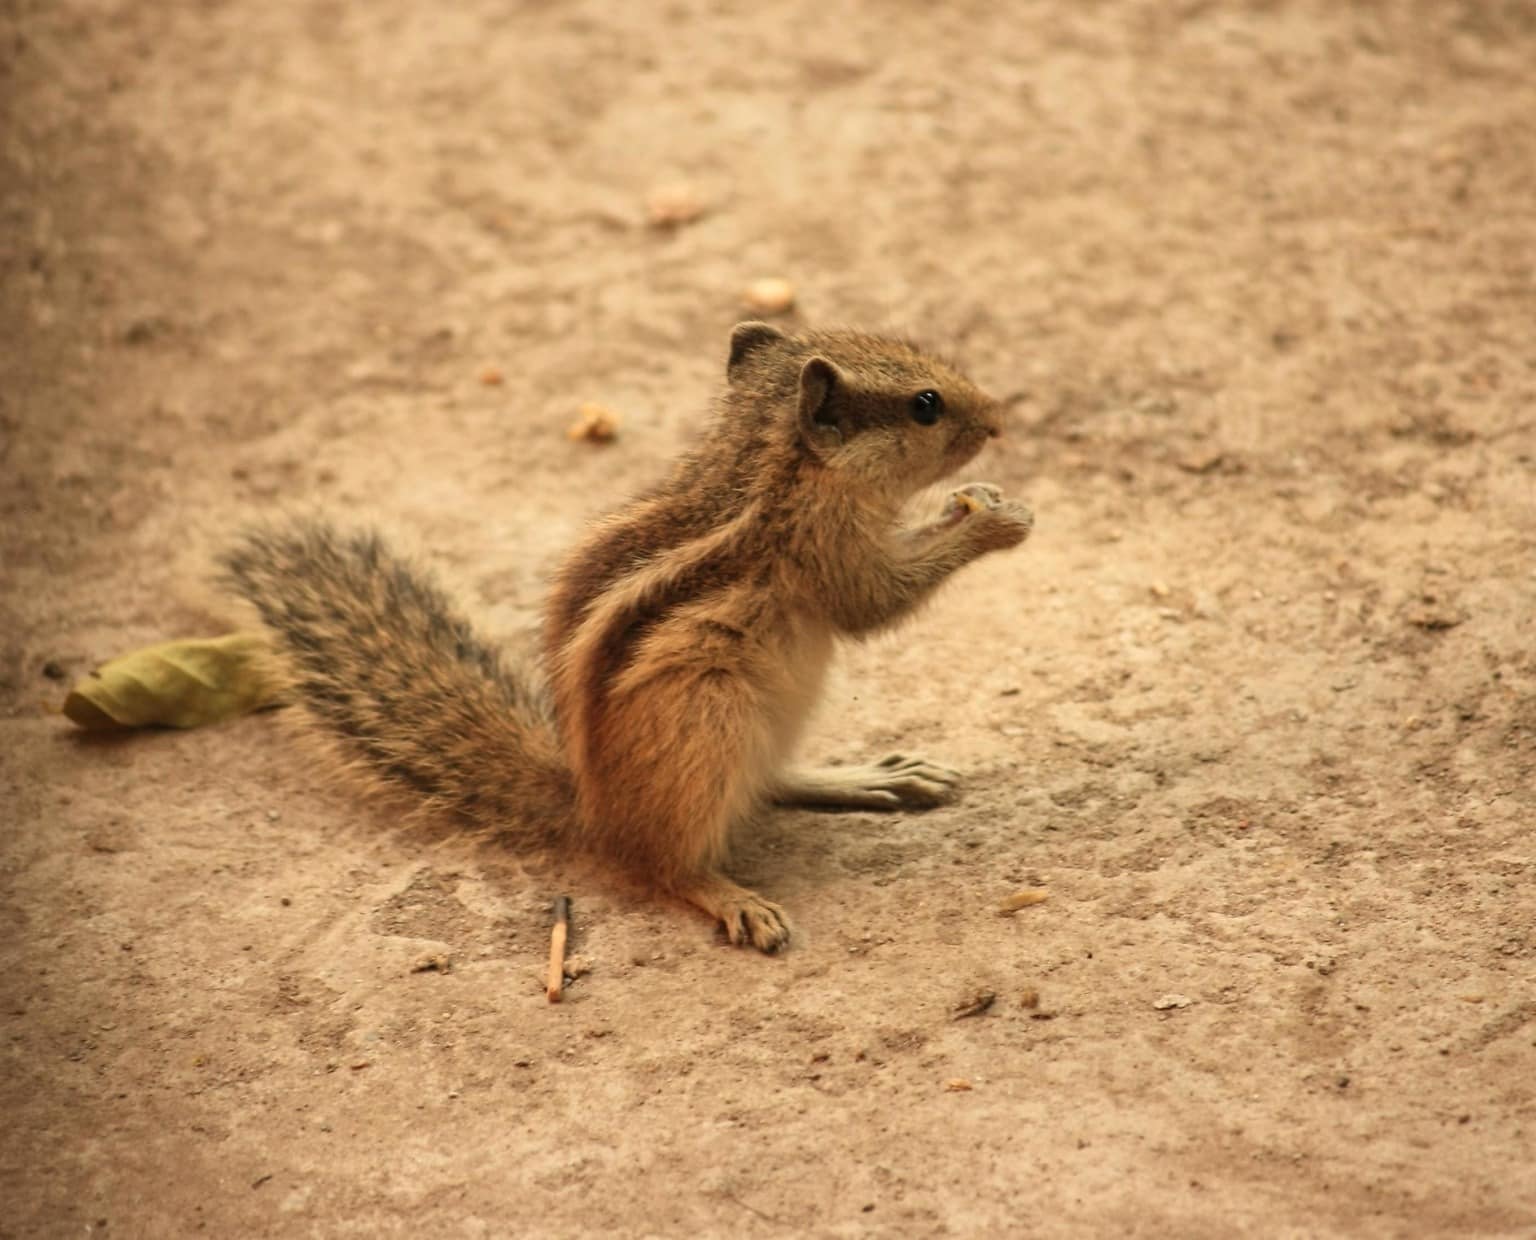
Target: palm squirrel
(685, 641)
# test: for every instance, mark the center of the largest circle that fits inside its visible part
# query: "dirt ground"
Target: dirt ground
(1257, 704)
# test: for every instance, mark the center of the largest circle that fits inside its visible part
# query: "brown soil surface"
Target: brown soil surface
(1257, 704)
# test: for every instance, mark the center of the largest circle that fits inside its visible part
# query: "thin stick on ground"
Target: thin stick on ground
(557, 937)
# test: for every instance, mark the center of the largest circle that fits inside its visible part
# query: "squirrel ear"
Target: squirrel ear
(818, 423)
(747, 337)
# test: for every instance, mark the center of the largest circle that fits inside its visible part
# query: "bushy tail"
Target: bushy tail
(374, 651)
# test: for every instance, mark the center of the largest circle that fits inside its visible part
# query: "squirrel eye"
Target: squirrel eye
(926, 407)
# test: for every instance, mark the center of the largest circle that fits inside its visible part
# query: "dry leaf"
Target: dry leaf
(1201, 462)
(432, 962)
(975, 1004)
(181, 684)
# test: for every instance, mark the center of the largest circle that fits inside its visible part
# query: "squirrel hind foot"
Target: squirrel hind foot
(895, 782)
(745, 915)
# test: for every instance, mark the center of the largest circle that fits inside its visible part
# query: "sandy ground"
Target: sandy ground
(1257, 704)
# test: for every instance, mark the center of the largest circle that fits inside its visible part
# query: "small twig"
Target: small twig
(556, 979)
(737, 1201)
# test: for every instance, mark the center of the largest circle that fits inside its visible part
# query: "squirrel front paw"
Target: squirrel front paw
(970, 498)
(757, 921)
(995, 523)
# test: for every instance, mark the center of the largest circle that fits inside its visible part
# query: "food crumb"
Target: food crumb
(594, 423)
(671, 206)
(1023, 899)
(770, 295)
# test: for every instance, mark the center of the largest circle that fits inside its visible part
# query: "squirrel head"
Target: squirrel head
(876, 411)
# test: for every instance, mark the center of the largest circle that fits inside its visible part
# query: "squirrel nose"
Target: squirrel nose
(990, 415)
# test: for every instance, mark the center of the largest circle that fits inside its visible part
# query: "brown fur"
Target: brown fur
(686, 639)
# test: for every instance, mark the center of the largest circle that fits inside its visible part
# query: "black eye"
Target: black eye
(926, 407)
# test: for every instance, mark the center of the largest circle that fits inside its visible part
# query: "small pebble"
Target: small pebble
(1172, 1001)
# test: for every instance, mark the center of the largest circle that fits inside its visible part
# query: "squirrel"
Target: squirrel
(685, 641)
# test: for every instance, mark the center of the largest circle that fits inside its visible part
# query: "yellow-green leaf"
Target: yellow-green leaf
(181, 684)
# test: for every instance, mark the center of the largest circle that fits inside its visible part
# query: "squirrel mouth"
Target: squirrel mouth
(966, 445)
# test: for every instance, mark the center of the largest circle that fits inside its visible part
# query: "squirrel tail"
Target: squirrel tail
(374, 652)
